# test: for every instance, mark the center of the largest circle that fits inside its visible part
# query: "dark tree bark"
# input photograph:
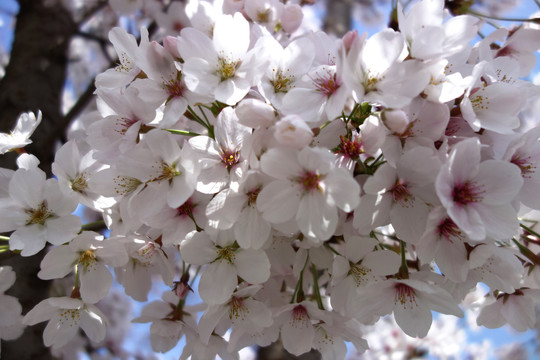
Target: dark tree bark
(338, 17)
(34, 79)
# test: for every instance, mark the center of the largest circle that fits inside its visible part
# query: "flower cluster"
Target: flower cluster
(311, 184)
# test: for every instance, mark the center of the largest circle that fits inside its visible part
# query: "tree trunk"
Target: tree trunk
(34, 80)
(338, 17)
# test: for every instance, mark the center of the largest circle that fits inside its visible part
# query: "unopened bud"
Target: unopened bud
(396, 120)
(291, 18)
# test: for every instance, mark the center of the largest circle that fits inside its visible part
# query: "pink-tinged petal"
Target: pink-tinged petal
(149, 201)
(251, 230)
(469, 220)
(137, 281)
(163, 146)
(165, 334)
(57, 201)
(281, 163)
(11, 310)
(372, 211)
(113, 253)
(209, 321)
(519, 312)
(500, 221)
(30, 239)
(500, 181)
(65, 302)
(62, 230)
(382, 262)
(60, 329)
(297, 334)
(316, 160)
(229, 133)
(218, 282)
(157, 309)
(415, 320)
(308, 103)
(194, 43)
(43, 311)
(206, 148)
(278, 201)
(96, 281)
(200, 75)
(409, 221)
(231, 90)
(224, 209)
(198, 249)
(490, 316)
(13, 217)
(252, 265)
(315, 217)
(93, 323)
(213, 180)
(356, 247)
(384, 178)
(180, 190)
(26, 187)
(228, 27)
(58, 263)
(464, 160)
(343, 189)
(382, 50)
(452, 260)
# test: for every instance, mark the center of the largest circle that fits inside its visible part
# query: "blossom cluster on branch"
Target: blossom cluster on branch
(310, 184)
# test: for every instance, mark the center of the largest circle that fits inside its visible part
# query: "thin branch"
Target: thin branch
(91, 12)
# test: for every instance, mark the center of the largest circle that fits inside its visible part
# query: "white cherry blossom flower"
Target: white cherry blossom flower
(223, 65)
(226, 262)
(221, 160)
(168, 321)
(410, 300)
(20, 136)
(66, 316)
(379, 73)
(90, 253)
(38, 211)
(11, 326)
(516, 309)
(477, 194)
(308, 188)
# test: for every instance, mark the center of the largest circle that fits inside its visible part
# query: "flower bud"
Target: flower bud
(293, 131)
(396, 120)
(291, 18)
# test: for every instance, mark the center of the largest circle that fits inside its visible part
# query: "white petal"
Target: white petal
(218, 282)
(96, 281)
(252, 266)
(278, 201)
(57, 263)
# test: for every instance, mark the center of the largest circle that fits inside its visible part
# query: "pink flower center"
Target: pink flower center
(351, 148)
(524, 164)
(310, 181)
(448, 229)
(124, 124)
(405, 295)
(327, 83)
(300, 315)
(252, 196)
(401, 194)
(467, 193)
(186, 209)
(174, 88)
(230, 158)
(237, 308)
